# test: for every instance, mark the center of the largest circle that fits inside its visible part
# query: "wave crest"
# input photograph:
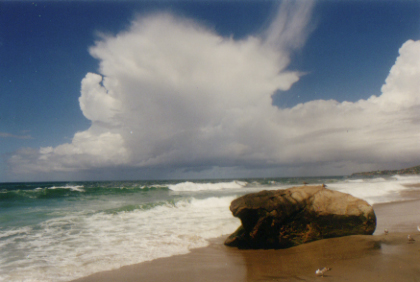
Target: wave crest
(194, 186)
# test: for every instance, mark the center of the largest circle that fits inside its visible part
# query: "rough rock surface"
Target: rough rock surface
(286, 218)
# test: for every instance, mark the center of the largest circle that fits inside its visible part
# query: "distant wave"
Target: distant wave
(66, 191)
(78, 188)
(194, 186)
(366, 180)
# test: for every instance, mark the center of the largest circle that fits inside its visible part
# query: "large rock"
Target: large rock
(286, 218)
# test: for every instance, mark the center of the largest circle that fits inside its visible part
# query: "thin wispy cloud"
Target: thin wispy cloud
(291, 26)
(172, 94)
(9, 135)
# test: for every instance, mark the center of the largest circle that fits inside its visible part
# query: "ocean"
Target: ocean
(59, 231)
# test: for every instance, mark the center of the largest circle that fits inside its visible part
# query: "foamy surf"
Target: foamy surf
(62, 231)
(194, 186)
(78, 188)
(376, 190)
(80, 244)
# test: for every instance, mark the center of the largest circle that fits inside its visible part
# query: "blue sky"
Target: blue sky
(346, 53)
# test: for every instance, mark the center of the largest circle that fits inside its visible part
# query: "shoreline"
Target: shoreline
(376, 257)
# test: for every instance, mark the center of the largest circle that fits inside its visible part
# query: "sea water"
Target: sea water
(66, 230)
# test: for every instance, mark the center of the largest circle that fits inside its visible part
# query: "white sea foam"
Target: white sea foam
(78, 188)
(154, 185)
(375, 190)
(193, 186)
(407, 179)
(79, 244)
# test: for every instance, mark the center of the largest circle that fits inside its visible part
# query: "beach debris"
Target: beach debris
(410, 239)
(386, 231)
(321, 271)
(418, 228)
(323, 185)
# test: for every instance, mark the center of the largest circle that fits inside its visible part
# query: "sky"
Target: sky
(126, 90)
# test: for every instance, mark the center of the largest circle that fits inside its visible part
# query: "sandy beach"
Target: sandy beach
(354, 258)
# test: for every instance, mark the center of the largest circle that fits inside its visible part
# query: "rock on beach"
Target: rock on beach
(290, 217)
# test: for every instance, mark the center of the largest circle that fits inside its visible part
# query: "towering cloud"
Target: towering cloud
(171, 93)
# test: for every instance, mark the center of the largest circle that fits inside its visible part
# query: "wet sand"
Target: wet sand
(353, 258)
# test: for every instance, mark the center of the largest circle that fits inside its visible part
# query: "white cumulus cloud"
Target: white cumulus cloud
(96, 102)
(171, 93)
